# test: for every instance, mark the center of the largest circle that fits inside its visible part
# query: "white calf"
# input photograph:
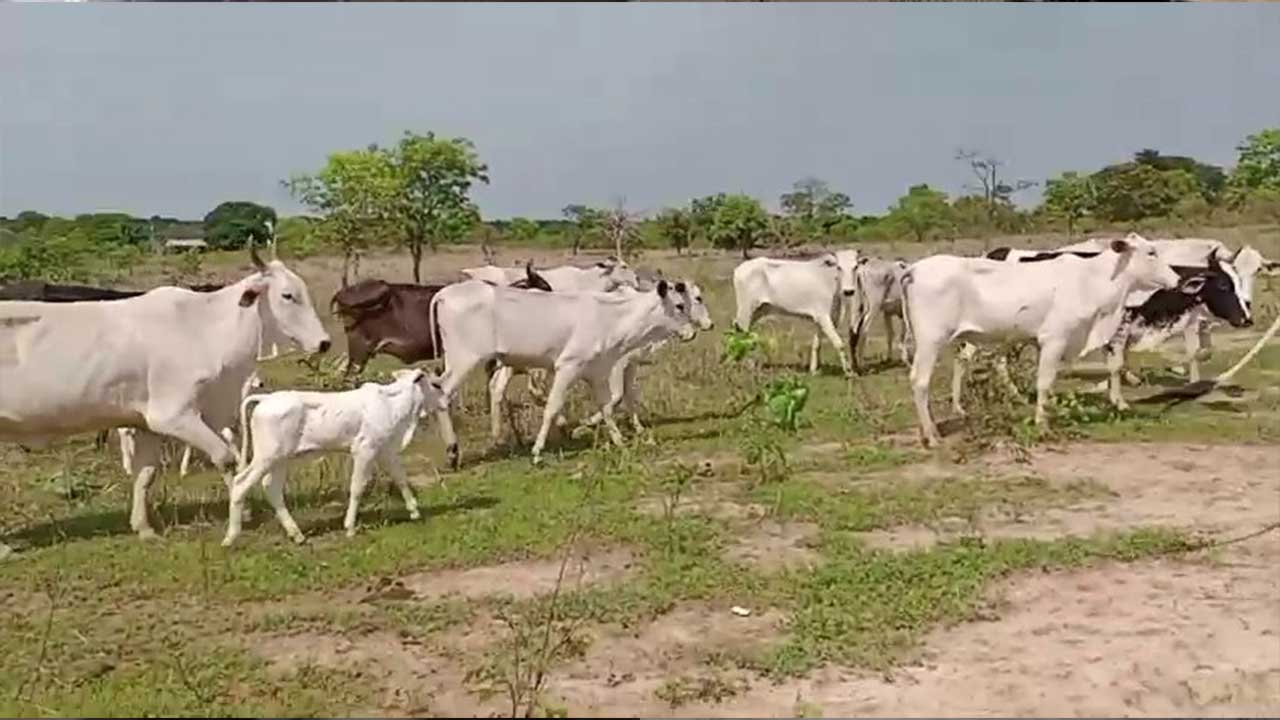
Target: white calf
(813, 289)
(1069, 305)
(879, 292)
(374, 423)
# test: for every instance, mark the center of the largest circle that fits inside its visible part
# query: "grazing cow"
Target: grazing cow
(578, 334)
(813, 289)
(604, 276)
(880, 291)
(1070, 305)
(172, 362)
(373, 422)
(1210, 290)
(379, 316)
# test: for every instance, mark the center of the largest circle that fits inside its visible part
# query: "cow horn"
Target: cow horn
(1235, 254)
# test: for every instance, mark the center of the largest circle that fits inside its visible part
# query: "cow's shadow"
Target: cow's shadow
(169, 516)
(880, 366)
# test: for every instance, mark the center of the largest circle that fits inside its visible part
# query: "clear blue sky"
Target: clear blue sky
(172, 108)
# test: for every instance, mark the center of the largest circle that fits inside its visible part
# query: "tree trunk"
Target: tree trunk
(346, 267)
(415, 250)
(577, 242)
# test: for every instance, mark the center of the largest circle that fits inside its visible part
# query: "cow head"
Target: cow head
(683, 303)
(1216, 291)
(618, 273)
(286, 302)
(1245, 265)
(1223, 277)
(1140, 261)
(847, 266)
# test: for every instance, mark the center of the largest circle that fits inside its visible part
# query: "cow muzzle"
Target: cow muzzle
(324, 346)
(850, 293)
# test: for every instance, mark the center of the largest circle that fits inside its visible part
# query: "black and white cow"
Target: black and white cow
(1205, 292)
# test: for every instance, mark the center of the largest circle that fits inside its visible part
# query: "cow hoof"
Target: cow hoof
(415, 515)
(146, 534)
(537, 459)
(228, 541)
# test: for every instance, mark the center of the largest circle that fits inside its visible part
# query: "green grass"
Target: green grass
(168, 627)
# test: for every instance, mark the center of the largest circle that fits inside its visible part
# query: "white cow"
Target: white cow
(604, 276)
(879, 292)
(1069, 305)
(578, 334)
(171, 362)
(622, 387)
(1243, 266)
(813, 289)
(373, 422)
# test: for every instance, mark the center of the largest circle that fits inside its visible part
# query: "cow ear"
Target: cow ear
(662, 288)
(1192, 285)
(248, 297)
(681, 288)
(1121, 246)
(863, 260)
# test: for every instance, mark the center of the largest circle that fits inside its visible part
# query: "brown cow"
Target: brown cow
(379, 316)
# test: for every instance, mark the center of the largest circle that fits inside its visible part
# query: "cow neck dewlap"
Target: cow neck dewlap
(237, 329)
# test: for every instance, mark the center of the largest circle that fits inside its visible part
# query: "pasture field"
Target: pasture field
(715, 566)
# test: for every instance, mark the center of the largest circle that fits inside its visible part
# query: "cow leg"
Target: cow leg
(192, 429)
(829, 329)
(128, 448)
(535, 385)
(1002, 369)
(389, 459)
(813, 354)
(1192, 338)
(273, 484)
(146, 460)
(905, 340)
(565, 375)
(185, 466)
(453, 377)
(964, 355)
(1115, 354)
(631, 396)
(1050, 357)
(361, 473)
(497, 395)
(921, 374)
(240, 486)
(888, 333)
(601, 388)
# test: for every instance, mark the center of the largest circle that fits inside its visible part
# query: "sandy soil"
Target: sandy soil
(1176, 637)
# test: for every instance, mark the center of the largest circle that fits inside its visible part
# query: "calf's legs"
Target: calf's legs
(565, 375)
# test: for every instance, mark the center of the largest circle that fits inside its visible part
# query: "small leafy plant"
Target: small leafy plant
(784, 400)
(740, 344)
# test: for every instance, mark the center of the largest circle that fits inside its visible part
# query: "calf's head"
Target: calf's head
(429, 395)
(287, 303)
(1140, 261)
(1246, 262)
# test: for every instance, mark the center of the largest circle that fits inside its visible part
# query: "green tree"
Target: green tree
(675, 225)
(1136, 191)
(586, 221)
(434, 177)
(1210, 179)
(1068, 196)
(739, 223)
(814, 208)
(233, 224)
(523, 230)
(1258, 166)
(702, 214)
(921, 212)
(354, 193)
(1263, 204)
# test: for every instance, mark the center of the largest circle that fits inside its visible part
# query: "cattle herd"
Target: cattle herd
(181, 362)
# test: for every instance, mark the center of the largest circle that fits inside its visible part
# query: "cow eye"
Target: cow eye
(680, 307)
(287, 296)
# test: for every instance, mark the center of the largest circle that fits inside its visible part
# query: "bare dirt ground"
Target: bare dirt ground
(1194, 636)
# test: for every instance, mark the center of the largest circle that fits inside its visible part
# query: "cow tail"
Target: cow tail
(432, 330)
(245, 431)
